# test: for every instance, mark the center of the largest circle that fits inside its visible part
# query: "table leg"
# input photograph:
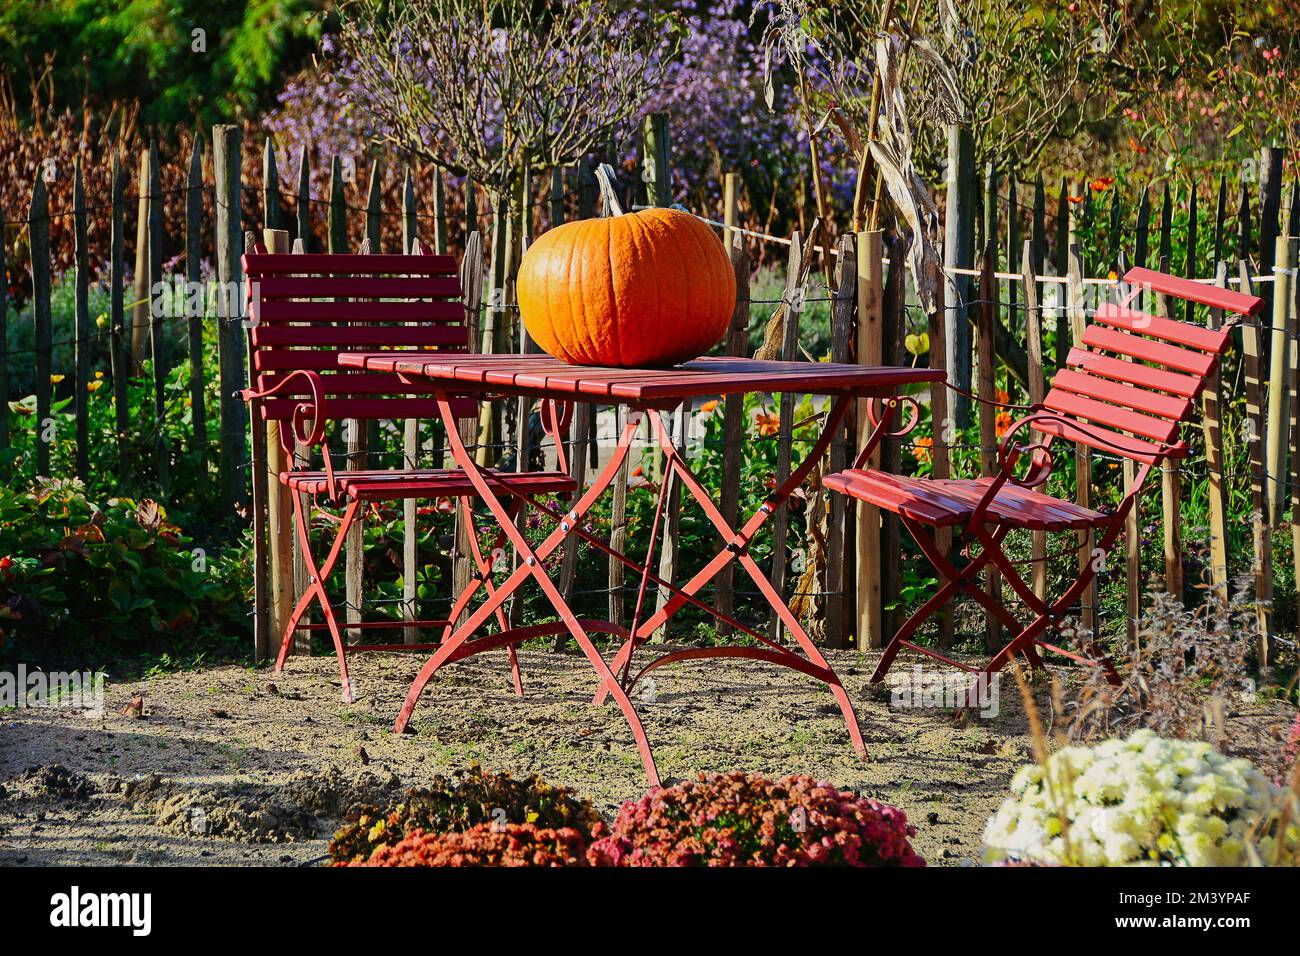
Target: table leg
(531, 564)
(813, 663)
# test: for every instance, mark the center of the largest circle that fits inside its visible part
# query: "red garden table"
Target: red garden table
(648, 392)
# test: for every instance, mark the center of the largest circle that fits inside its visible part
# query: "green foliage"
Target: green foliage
(88, 578)
(461, 803)
(145, 52)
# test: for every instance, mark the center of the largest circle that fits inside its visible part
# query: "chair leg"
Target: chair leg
(485, 578)
(317, 575)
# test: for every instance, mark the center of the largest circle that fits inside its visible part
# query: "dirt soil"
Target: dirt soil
(237, 766)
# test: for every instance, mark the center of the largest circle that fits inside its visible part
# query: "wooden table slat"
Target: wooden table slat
(714, 375)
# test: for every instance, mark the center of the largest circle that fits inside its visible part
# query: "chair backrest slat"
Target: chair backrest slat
(1176, 333)
(1159, 379)
(274, 263)
(1133, 379)
(358, 383)
(1195, 363)
(308, 310)
(1102, 439)
(1112, 416)
(1239, 303)
(360, 288)
(367, 409)
(353, 313)
(1128, 396)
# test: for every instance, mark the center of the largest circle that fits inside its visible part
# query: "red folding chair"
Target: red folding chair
(1127, 388)
(304, 312)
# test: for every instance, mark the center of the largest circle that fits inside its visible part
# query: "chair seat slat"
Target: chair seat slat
(946, 502)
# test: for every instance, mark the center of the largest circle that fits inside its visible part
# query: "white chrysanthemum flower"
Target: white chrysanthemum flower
(1140, 800)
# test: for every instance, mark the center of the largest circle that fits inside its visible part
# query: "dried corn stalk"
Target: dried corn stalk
(892, 150)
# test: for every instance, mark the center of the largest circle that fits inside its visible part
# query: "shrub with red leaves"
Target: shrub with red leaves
(486, 844)
(739, 819)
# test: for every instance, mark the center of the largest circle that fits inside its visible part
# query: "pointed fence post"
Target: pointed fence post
(1037, 390)
(959, 253)
(227, 142)
(83, 338)
(411, 430)
(117, 317)
(38, 232)
(157, 319)
(193, 280)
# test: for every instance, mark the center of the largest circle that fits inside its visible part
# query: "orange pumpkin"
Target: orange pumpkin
(644, 289)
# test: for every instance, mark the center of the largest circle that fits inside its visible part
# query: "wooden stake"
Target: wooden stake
(1082, 455)
(83, 339)
(986, 318)
(1211, 402)
(1279, 393)
(1034, 349)
(792, 303)
(733, 423)
(839, 557)
(870, 632)
(1262, 539)
(279, 504)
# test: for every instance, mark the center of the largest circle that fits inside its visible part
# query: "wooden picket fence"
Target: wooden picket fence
(993, 305)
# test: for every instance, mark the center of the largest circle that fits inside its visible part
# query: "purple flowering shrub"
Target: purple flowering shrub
(739, 819)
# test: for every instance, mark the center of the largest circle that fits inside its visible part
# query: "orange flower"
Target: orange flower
(1003, 423)
(637, 471)
(1101, 184)
(1075, 199)
(1136, 146)
(708, 407)
(768, 424)
(923, 446)
(1001, 396)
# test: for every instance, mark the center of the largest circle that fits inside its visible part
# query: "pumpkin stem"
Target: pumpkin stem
(608, 191)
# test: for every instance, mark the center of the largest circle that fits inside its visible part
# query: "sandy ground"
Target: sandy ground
(264, 765)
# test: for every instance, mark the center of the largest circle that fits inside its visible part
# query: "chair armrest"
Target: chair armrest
(1009, 450)
(880, 423)
(313, 408)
